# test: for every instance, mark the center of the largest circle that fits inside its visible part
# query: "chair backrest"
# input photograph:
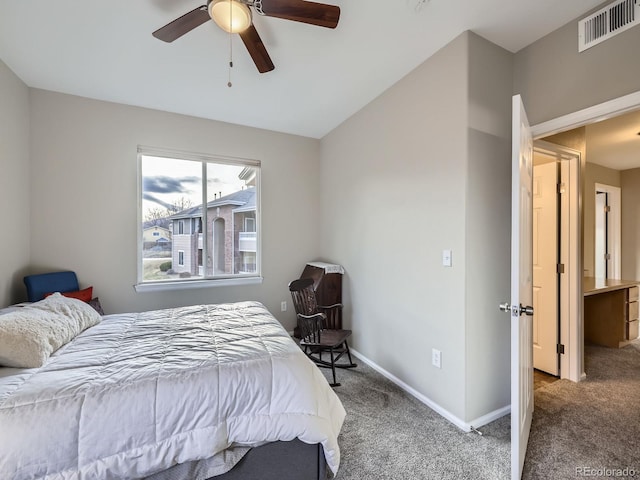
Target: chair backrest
(41, 284)
(310, 329)
(304, 296)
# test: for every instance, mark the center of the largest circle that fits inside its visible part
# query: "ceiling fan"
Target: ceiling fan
(234, 16)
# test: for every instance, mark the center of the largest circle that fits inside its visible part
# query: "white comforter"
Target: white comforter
(141, 392)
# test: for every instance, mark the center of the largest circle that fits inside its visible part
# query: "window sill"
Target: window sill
(193, 284)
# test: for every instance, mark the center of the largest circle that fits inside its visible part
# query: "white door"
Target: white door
(521, 288)
(545, 261)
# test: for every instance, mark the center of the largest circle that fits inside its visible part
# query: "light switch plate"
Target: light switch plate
(446, 258)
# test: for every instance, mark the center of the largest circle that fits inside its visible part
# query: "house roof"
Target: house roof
(151, 226)
(243, 199)
(158, 222)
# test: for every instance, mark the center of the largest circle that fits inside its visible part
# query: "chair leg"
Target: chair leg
(346, 350)
(346, 346)
(333, 369)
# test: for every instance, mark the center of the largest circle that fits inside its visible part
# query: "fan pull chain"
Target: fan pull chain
(229, 84)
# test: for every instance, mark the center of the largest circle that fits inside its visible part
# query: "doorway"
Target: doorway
(607, 231)
(545, 260)
(572, 362)
(556, 228)
(601, 246)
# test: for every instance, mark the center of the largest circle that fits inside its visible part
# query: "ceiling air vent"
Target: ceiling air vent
(607, 22)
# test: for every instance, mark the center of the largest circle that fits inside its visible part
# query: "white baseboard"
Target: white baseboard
(467, 427)
(490, 417)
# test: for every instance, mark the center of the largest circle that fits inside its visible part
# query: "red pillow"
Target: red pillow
(84, 295)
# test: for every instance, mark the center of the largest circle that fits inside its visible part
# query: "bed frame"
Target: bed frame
(292, 460)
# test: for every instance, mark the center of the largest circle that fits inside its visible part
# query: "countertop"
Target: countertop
(592, 285)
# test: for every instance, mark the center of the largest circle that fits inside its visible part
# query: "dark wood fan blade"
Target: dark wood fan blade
(256, 49)
(182, 25)
(312, 13)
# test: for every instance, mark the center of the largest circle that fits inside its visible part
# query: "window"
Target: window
(249, 224)
(209, 207)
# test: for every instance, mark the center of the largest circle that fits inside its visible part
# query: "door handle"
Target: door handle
(505, 307)
(516, 311)
(528, 310)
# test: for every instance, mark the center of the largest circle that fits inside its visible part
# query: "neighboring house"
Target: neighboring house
(232, 242)
(155, 235)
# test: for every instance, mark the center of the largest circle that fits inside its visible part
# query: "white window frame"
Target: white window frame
(226, 280)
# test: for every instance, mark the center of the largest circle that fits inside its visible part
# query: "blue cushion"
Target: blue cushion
(39, 285)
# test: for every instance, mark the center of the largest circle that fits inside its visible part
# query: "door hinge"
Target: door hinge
(561, 188)
(607, 208)
(607, 256)
(560, 268)
(560, 349)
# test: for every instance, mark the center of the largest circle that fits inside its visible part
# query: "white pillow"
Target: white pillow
(29, 335)
(13, 308)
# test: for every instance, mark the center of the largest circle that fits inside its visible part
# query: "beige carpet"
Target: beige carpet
(592, 425)
(390, 435)
(591, 428)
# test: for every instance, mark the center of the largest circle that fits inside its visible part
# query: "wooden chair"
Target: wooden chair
(318, 332)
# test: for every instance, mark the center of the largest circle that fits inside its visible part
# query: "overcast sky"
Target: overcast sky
(166, 181)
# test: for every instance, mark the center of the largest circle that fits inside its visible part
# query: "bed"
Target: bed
(206, 391)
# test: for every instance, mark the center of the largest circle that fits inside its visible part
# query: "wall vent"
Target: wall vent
(607, 22)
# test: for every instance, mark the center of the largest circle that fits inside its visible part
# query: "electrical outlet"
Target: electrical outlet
(436, 356)
(283, 306)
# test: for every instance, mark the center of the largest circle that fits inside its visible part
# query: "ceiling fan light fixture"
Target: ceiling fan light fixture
(230, 15)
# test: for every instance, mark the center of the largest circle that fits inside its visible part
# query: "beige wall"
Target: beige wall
(630, 199)
(15, 195)
(84, 151)
(575, 139)
(393, 197)
(406, 177)
(488, 228)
